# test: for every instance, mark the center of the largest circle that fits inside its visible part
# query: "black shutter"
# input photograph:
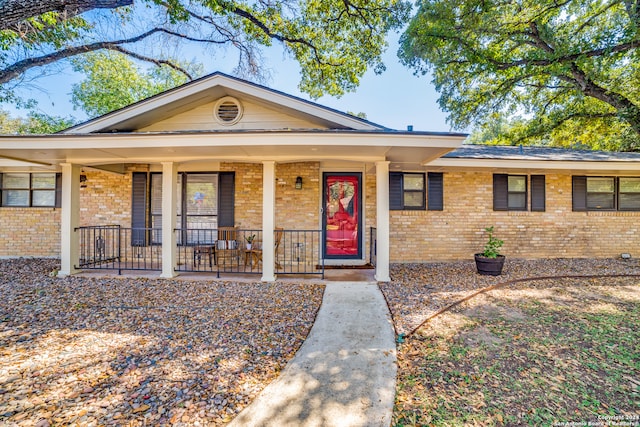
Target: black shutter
(58, 190)
(435, 194)
(538, 195)
(226, 199)
(500, 192)
(139, 197)
(579, 193)
(396, 199)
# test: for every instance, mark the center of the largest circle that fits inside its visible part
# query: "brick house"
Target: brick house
(152, 186)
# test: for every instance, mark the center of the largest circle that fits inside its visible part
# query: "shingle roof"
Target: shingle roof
(501, 152)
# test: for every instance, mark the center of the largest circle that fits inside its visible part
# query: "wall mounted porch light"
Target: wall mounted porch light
(299, 183)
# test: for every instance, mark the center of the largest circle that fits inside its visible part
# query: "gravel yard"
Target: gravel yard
(122, 351)
(418, 290)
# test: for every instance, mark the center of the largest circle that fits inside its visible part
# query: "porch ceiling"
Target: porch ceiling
(48, 152)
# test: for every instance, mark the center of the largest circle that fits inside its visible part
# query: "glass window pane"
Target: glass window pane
(43, 180)
(413, 181)
(629, 202)
(15, 180)
(43, 198)
(202, 229)
(202, 194)
(413, 199)
(15, 198)
(600, 185)
(600, 201)
(156, 194)
(517, 184)
(630, 185)
(517, 201)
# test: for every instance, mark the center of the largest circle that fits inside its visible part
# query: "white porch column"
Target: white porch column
(69, 219)
(169, 201)
(382, 219)
(268, 220)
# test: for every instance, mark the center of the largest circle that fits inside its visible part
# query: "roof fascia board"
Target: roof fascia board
(160, 140)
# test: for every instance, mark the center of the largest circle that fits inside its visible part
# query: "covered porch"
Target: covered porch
(273, 201)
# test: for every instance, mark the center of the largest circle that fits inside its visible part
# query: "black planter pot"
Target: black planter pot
(489, 266)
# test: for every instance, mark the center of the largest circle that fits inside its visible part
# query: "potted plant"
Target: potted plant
(250, 240)
(489, 262)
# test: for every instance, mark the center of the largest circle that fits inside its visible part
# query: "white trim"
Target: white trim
(268, 220)
(169, 202)
(382, 222)
(69, 219)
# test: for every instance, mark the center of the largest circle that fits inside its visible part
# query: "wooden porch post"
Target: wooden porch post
(69, 219)
(268, 220)
(382, 218)
(169, 200)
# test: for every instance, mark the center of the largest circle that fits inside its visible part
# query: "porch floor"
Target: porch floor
(333, 275)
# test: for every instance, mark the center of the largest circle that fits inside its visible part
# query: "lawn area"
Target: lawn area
(118, 351)
(538, 353)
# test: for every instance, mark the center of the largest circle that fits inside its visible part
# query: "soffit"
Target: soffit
(95, 149)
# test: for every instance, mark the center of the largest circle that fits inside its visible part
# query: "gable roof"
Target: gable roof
(214, 86)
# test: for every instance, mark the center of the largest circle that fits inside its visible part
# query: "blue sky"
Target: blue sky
(394, 99)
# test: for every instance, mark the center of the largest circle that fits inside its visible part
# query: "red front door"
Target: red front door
(342, 219)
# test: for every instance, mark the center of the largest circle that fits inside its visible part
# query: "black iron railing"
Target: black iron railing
(373, 245)
(112, 247)
(297, 252)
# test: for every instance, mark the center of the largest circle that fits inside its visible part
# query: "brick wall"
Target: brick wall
(295, 209)
(29, 232)
(455, 233)
(458, 231)
(298, 209)
(248, 194)
(105, 198)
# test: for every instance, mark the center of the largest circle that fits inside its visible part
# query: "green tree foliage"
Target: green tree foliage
(562, 66)
(35, 123)
(334, 41)
(608, 135)
(113, 81)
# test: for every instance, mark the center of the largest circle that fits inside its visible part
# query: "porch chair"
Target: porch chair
(227, 244)
(255, 253)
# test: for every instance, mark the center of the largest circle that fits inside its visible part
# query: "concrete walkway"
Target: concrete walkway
(345, 372)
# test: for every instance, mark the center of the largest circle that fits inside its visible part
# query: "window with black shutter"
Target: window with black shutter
(538, 193)
(606, 193)
(205, 202)
(407, 191)
(139, 200)
(512, 192)
(435, 191)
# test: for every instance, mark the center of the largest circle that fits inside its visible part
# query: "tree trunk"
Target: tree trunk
(12, 12)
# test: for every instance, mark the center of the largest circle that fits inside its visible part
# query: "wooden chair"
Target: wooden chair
(255, 253)
(227, 246)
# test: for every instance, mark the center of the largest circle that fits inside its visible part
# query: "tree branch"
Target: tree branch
(158, 62)
(12, 12)
(20, 67)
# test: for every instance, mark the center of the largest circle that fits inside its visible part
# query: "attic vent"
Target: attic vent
(227, 111)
